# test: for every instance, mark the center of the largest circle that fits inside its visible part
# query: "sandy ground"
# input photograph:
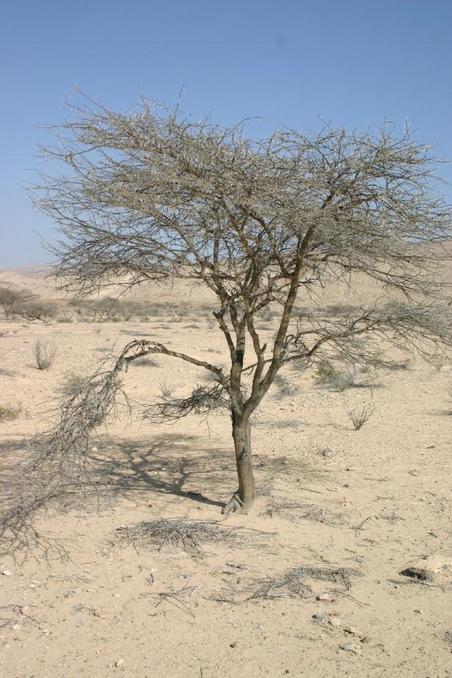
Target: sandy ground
(370, 501)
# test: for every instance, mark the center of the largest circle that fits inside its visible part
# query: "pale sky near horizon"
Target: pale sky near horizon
(288, 62)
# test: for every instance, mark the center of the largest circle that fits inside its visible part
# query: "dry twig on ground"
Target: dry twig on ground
(293, 584)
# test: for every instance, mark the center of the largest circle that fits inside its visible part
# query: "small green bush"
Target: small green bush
(330, 376)
(9, 412)
(74, 383)
(145, 362)
(285, 387)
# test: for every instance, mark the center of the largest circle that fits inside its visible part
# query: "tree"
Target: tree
(153, 196)
(13, 301)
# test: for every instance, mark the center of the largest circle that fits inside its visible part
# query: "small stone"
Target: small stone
(335, 621)
(427, 569)
(351, 630)
(16, 627)
(233, 644)
(318, 617)
(6, 573)
(120, 662)
(419, 611)
(349, 647)
(326, 597)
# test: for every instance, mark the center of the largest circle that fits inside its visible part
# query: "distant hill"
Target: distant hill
(38, 279)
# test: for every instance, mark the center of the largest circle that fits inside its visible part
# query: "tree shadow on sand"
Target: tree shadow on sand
(177, 465)
(169, 464)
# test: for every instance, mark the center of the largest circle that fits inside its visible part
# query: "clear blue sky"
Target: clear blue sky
(352, 62)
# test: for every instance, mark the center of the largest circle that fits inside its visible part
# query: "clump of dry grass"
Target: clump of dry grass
(361, 416)
(293, 584)
(186, 534)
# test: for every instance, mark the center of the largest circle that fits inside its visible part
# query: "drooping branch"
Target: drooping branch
(204, 399)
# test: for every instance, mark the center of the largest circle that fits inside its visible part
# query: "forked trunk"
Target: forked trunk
(243, 499)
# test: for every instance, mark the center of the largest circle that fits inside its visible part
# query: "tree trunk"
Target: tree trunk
(243, 499)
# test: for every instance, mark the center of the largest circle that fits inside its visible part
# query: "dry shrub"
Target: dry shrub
(44, 352)
(360, 416)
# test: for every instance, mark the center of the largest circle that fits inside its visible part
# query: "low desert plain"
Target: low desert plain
(140, 575)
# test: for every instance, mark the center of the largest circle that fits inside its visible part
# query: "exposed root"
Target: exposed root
(237, 505)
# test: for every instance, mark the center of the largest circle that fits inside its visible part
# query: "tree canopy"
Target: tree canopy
(150, 195)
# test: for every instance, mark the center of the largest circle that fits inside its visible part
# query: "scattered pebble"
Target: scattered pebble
(120, 662)
(6, 573)
(335, 621)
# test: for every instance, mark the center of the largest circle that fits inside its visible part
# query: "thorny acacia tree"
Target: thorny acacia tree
(152, 196)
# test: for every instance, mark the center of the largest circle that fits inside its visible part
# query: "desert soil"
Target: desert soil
(96, 603)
